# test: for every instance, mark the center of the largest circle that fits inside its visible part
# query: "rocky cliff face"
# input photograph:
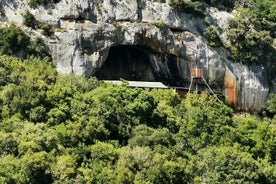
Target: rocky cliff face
(142, 40)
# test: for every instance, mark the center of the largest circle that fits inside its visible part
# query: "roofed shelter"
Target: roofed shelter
(140, 84)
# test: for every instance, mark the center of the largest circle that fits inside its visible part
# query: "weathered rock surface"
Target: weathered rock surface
(167, 45)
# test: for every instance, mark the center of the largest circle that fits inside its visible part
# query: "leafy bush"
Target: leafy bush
(29, 19)
(252, 31)
(47, 29)
(70, 129)
(13, 40)
(272, 106)
(227, 164)
(272, 103)
(199, 127)
(38, 48)
(188, 6)
(244, 3)
(265, 9)
(250, 42)
(212, 35)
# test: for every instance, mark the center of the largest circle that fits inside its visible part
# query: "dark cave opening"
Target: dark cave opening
(127, 62)
(137, 63)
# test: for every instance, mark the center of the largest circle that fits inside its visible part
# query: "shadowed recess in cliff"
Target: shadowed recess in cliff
(137, 63)
(126, 62)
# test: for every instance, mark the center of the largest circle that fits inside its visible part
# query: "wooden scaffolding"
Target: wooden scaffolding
(196, 75)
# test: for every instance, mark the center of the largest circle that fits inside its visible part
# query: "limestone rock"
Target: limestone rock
(149, 40)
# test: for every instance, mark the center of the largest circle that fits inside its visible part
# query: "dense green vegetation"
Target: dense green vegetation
(212, 36)
(250, 33)
(15, 42)
(47, 29)
(188, 6)
(69, 129)
(29, 19)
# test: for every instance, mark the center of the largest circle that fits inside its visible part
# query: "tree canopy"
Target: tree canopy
(70, 129)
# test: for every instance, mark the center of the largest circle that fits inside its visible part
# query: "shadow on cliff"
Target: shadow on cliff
(136, 63)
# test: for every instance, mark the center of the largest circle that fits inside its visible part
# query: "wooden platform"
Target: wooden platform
(196, 72)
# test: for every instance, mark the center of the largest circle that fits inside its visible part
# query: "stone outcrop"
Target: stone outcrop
(170, 42)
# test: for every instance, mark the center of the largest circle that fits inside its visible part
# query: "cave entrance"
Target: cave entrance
(127, 62)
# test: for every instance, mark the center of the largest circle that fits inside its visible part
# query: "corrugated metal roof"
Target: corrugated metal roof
(140, 84)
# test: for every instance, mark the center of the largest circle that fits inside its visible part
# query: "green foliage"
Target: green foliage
(121, 108)
(29, 19)
(244, 3)
(212, 35)
(70, 129)
(64, 168)
(250, 33)
(257, 138)
(146, 136)
(13, 40)
(197, 7)
(38, 48)
(226, 165)
(272, 104)
(21, 80)
(47, 29)
(251, 37)
(206, 124)
(265, 9)
(188, 6)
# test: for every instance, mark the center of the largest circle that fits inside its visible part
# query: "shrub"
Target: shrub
(29, 19)
(38, 49)
(272, 105)
(47, 29)
(265, 9)
(192, 7)
(250, 43)
(212, 35)
(12, 40)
